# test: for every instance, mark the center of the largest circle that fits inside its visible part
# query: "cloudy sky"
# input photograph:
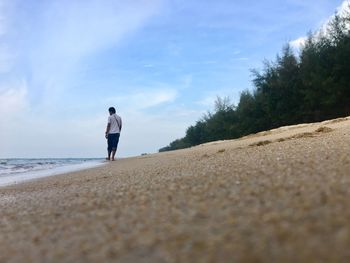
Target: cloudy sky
(161, 63)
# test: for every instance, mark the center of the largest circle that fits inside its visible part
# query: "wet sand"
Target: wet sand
(277, 196)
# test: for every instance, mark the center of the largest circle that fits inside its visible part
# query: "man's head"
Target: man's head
(111, 110)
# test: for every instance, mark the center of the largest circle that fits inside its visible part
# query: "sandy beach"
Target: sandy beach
(277, 196)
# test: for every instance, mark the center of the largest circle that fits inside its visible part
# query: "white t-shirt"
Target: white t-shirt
(116, 123)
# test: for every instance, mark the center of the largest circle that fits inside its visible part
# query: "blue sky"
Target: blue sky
(161, 63)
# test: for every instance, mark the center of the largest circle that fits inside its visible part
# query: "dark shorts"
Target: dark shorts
(113, 140)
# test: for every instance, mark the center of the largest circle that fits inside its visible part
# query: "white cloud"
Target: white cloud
(343, 9)
(144, 98)
(13, 107)
(53, 43)
(55, 40)
(298, 43)
(148, 132)
(74, 28)
(31, 133)
(208, 102)
(209, 99)
(12, 101)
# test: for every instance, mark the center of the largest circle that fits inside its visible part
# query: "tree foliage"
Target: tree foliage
(311, 86)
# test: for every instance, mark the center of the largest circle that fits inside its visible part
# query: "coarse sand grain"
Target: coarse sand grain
(277, 196)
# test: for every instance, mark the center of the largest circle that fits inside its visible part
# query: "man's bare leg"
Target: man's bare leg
(113, 153)
(109, 156)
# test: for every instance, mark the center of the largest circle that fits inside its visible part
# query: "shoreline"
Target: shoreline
(276, 196)
(22, 177)
(258, 139)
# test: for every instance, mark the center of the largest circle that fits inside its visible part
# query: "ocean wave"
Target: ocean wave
(20, 170)
(16, 166)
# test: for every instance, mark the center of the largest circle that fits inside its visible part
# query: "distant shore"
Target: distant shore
(276, 196)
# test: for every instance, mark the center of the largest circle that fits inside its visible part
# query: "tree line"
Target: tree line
(311, 86)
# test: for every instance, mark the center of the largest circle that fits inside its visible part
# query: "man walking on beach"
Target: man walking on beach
(112, 135)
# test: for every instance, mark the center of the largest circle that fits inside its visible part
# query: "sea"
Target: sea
(13, 171)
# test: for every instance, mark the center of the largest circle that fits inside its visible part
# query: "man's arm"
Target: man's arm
(107, 129)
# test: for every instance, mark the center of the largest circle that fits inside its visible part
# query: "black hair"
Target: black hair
(111, 110)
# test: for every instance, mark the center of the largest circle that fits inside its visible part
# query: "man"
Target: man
(113, 130)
